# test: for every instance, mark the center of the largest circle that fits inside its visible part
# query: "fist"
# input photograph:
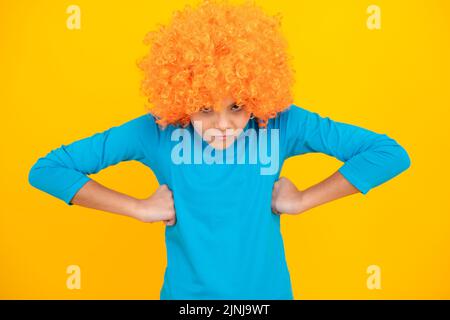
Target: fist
(285, 197)
(158, 207)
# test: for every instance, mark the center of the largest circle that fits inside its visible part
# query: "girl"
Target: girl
(219, 80)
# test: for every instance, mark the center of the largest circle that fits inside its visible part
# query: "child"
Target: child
(220, 125)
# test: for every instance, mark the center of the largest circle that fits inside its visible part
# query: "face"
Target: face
(220, 128)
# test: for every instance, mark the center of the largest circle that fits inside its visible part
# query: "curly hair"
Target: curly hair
(214, 50)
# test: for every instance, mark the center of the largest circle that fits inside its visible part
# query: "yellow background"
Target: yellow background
(59, 85)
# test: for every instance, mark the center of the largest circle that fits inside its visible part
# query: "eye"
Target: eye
(235, 107)
(206, 109)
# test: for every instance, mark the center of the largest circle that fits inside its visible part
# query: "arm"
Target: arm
(288, 199)
(158, 207)
(96, 196)
(370, 158)
(64, 172)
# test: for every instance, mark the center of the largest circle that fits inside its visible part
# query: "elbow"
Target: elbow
(395, 154)
(33, 176)
(42, 171)
(404, 160)
(39, 175)
(393, 158)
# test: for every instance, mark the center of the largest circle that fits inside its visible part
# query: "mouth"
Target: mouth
(223, 137)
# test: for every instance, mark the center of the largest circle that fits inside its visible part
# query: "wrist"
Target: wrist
(136, 209)
(301, 201)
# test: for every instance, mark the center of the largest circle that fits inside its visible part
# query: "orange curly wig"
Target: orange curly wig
(215, 50)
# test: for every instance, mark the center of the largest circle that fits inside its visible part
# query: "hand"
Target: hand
(286, 198)
(158, 207)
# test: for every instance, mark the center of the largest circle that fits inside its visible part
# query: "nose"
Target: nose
(222, 120)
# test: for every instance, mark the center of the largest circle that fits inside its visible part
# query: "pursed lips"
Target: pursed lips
(223, 137)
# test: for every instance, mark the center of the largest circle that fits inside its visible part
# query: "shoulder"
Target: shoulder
(289, 118)
(294, 112)
(145, 125)
(143, 134)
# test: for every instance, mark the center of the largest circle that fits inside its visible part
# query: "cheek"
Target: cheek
(241, 121)
(200, 123)
(197, 120)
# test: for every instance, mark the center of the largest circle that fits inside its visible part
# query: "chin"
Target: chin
(222, 144)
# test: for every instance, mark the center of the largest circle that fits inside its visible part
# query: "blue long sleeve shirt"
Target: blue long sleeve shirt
(226, 243)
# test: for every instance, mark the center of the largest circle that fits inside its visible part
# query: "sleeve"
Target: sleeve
(370, 158)
(64, 170)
